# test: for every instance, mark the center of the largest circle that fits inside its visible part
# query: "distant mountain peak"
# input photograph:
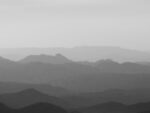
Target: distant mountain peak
(106, 61)
(59, 55)
(31, 91)
(57, 59)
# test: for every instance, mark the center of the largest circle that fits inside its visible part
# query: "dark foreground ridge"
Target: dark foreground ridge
(110, 107)
(114, 107)
(36, 108)
(29, 97)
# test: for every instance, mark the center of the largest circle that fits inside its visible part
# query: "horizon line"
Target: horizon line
(72, 47)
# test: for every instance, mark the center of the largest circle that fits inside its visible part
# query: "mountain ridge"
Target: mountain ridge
(43, 58)
(82, 53)
(28, 97)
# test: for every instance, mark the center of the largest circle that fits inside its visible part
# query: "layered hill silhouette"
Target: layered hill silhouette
(42, 108)
(35, 108)
(29, 97)
(48, 83)
(110, 107)
(114, 107)
(77, 76)
(39, 107)
(127, 97)
(13, 87)
(58, 59)
(111, 66)
(84, 53)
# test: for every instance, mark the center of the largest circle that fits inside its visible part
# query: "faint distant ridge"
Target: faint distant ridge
(111, 66)
(57, 59)
(83, 53)
(106, 62)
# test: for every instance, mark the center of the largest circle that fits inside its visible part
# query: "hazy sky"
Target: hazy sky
(67, 23)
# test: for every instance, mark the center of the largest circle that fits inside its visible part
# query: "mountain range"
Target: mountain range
(58, 59)
(13, 87)
(35, 108)
(126, 97)
(100, 101)
(77, 76)
(28, 97)
(110, 107)
(114, 107)
(24, 97)
(84, 53)
(88, 80)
